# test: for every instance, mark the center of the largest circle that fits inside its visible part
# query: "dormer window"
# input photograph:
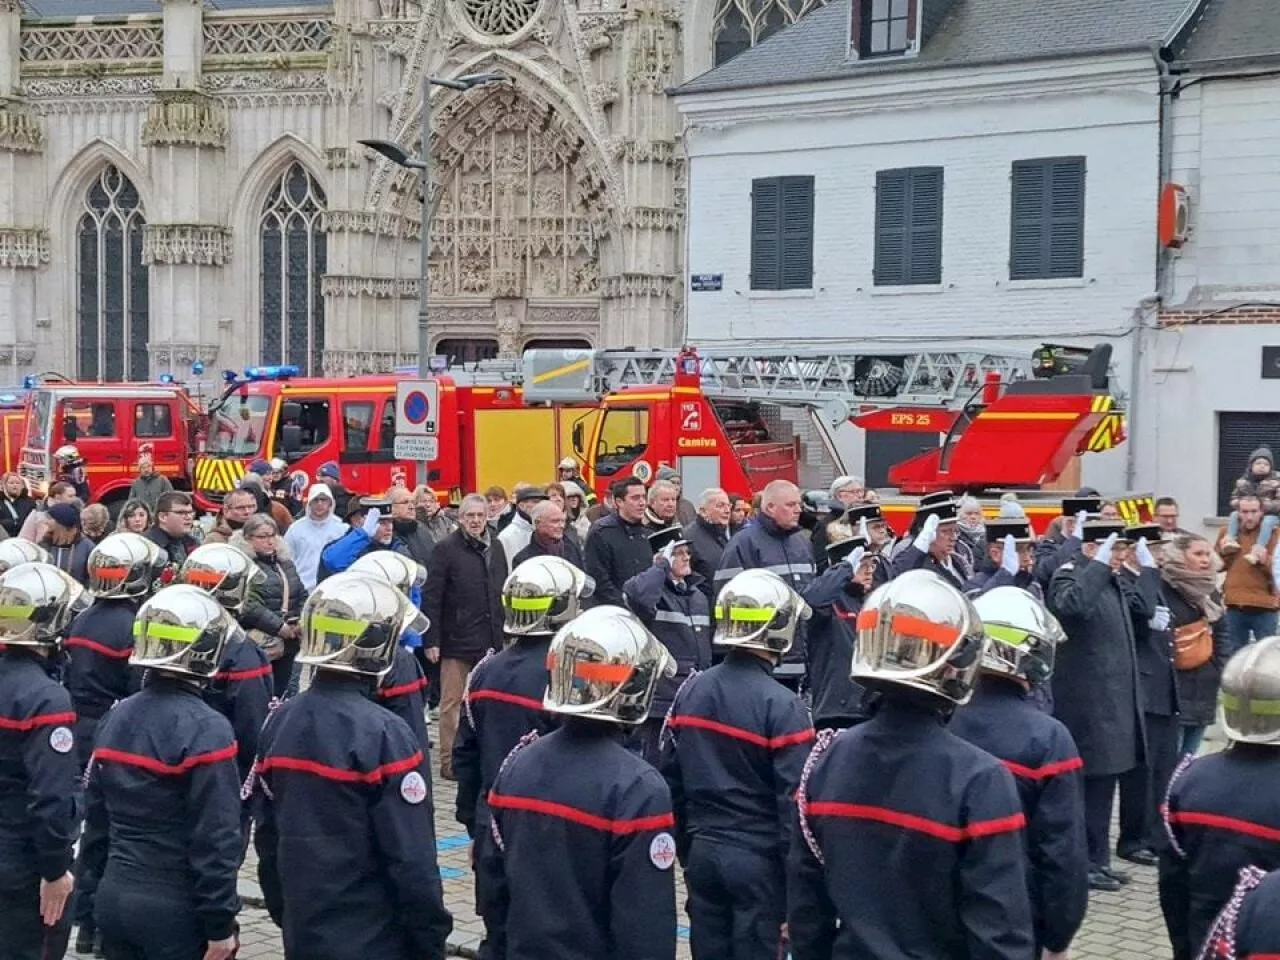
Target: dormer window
(884, 28)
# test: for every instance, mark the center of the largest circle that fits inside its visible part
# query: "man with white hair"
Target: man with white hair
(548, 537)
(664, 505)
(707, 535)
(774, 542)
(846, 491)
(685, 512)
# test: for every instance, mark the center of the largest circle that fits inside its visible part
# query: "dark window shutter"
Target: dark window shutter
(766, 234)
(1047, 219)
(924, 261)
(891, 227)
(797, 233)
(908, 226)
(1239, 434)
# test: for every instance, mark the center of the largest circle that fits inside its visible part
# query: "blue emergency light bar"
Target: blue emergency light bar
(166, 378)
(30, 381)
(271, 373)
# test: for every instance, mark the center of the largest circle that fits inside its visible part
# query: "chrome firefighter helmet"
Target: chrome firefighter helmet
(404, 573)
(182, 630)
(543, 594)
(15, 551)
(68, 456)
(1022, 635)
(224, 572)
(352, 623)
(1251, 693)
(125, 566)
(605, 665)
(918, 632)
(758, 610)
(37, 604)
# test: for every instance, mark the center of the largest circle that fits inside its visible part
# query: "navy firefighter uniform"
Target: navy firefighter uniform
(1257, 925)
(502, 703)
(38, 772)
(911, 840)
(1222, 812)
(582, 824)
(345, 840)
(162, 832)
(835, 597)
(403, 692)
(735, 746)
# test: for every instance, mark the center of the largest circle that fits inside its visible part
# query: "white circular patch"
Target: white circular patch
(61, 739)
(642, 471)
(662, 851)
(413, 788)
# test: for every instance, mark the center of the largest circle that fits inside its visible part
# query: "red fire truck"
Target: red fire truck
(999, 421)
(110, 424)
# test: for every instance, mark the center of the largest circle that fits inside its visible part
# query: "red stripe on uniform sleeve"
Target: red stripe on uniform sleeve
(376, 775)
(43, 720)
(1048, 771)
(158, 766)
(253, 673)
(501, 696)
(100, 648)
(661, 821)
(908, 821)
(403, 689)
(1231, 824)
(738, 733)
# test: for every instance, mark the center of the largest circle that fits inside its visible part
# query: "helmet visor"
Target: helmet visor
(1026, 654)
(16, 623)
(737, 622)
(192, 649)
(522, 614)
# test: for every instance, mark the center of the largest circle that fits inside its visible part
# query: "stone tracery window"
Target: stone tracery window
(112, 304)
(500, 18)
(740, 24)
(294, 259)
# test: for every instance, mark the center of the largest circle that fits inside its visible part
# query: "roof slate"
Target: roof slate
(957, 33)
(1228, 29)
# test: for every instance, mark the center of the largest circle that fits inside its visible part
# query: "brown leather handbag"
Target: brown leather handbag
(1192, 645)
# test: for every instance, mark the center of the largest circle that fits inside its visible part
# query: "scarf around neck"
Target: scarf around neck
(1198, 588)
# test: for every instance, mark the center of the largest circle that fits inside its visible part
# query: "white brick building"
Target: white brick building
(1052, 108)
(1208, 401)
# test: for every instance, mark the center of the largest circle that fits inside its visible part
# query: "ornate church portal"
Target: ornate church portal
(187, 184)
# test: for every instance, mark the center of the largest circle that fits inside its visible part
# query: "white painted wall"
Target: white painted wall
(1226, 152)
(1005, 115)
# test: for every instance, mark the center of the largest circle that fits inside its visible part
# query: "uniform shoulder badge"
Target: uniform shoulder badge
(662, 851)
(413, 788)
(61, 739)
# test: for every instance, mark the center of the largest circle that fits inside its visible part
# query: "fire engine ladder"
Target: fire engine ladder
(838, 381)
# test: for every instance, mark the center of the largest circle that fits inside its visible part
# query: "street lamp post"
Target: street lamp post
(401, 157)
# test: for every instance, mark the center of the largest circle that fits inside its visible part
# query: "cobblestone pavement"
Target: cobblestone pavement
(1120, 926)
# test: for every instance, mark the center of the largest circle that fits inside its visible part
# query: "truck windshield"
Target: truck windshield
(41, 412)
(623, 437)
(239, 426)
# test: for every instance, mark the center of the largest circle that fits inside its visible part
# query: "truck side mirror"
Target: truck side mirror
(578, 438)
(291, 440)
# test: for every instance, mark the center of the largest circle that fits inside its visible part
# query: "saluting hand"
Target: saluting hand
(928, 533)
(1104, 552)
(1145, 557)
(1009, 556)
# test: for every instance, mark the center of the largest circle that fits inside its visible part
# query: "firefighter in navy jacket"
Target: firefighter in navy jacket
(1223, 810)
(402, 690)
(38, 772)
(242, 688)
(1009, 550)
(669, 601)
(123, 569)
(345, 840)
(911, 839)
(163, 786)
(584, 825)
(503, 703)
(1249, 925)
(1004, 720)
(735, 745)
(835, 598)
(934, 532)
